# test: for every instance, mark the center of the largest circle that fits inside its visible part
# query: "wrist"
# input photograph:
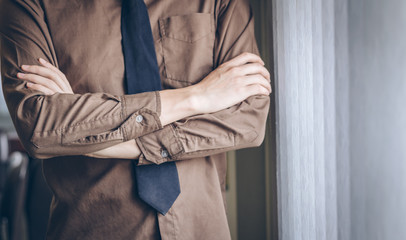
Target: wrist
(193, 100)
(124, 150)
(178, 103)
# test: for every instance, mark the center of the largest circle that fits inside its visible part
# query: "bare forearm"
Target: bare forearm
(177, 104)
(126, 150)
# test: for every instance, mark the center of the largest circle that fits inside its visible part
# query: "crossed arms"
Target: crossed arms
(52, 121)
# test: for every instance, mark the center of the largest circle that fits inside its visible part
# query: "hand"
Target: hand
(231, 83)
(46, 78)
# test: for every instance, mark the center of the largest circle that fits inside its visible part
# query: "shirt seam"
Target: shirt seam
(176, 137)
(207, 150)
(124, 113)
(61, 129)
(173, 224)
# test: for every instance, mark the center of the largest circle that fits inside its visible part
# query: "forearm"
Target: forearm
(71, 124)
(79, 124)
(228, 85)
(177, 104)
(62, 124)
(239, 126)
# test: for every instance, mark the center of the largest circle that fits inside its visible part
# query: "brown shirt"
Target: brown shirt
(96, 198)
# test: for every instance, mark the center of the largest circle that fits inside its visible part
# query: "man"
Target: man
(71, 110)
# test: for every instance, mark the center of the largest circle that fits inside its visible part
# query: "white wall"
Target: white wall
(306, 118)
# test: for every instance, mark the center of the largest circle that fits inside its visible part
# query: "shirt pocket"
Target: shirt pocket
(187, 44)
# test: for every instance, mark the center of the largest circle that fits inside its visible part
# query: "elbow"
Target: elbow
(33, 151)
(24, 115)
(258, 124)
(257, 133)
(259, 139)
(253, 138)
(37, 140)
(30, 147)
(35, 154)
(32, 143)
(260, 132)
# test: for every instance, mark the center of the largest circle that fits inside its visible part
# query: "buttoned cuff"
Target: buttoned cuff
(143, 120)
(159, 146)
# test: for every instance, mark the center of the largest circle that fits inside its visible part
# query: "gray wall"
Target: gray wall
(377, 91)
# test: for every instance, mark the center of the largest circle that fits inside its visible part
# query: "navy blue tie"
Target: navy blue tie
(158, 185)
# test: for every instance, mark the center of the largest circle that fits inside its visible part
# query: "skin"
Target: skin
(231, 83)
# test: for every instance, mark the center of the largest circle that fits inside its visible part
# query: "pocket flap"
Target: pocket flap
(188, 28)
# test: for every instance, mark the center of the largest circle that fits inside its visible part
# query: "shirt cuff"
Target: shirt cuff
(143, 120)
(159, 146)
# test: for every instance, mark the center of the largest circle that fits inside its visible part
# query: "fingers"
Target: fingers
(40, 88)
(55, 69)
(46, 73)
(252, 69)
(257, 79)
(39, 80)
(242, 59)
(50, 66)
(256, 89)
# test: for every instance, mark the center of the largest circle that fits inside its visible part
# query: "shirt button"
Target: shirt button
(164, 153)
(139, 118)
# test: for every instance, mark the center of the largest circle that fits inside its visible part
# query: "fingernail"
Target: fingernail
(29, 84)
(20, 75)
(41, 60)
(24, 66)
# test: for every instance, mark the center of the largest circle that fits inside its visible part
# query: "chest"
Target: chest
(86, 37)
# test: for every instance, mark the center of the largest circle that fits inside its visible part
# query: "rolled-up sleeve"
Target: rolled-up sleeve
(62, 124)
(240, 126)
